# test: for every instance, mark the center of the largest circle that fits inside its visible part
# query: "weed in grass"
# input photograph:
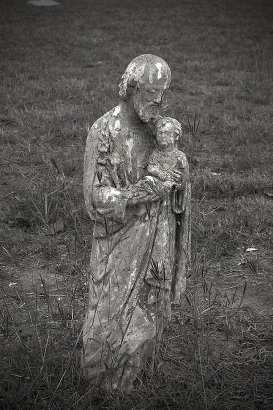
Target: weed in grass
(193, 124)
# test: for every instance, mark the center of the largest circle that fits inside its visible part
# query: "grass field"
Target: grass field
(60, 67)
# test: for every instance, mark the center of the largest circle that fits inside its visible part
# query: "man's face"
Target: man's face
(147, 99)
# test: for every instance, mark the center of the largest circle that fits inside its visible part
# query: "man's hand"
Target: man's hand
(177, 176)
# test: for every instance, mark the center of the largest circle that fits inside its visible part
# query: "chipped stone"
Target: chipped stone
(116, 111)
(117, 125)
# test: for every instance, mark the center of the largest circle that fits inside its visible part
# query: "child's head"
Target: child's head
(168, 132)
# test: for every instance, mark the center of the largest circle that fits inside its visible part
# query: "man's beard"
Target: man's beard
(148, 113)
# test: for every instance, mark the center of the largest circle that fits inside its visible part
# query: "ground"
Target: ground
(60, 68)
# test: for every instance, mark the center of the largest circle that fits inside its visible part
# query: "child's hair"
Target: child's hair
(176, 124)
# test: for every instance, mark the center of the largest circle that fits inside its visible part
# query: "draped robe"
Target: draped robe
(140, 250)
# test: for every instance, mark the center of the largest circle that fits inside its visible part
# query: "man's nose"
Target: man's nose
(158, 99)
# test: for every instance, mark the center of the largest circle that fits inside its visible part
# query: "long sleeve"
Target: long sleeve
(102, 197)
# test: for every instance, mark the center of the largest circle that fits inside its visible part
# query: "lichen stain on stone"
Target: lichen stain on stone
(151, 77)
(160, 70)
(116, 111)
(130, 144)
(117, 125)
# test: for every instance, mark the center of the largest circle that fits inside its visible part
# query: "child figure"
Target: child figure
(167, 160)
(167, 170)
(166, 167)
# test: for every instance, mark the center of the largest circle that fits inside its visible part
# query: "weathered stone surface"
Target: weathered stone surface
(137, 192)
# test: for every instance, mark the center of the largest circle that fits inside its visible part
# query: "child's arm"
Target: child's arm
(157, 171)
(182, 167)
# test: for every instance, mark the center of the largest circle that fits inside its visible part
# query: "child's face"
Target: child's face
(166, 136)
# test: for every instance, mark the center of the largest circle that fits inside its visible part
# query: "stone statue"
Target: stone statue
(137, 192)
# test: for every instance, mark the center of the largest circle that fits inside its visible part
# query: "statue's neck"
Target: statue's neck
(129, 114)
(132, 120)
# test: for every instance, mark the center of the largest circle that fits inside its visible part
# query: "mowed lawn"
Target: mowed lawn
(60, 68)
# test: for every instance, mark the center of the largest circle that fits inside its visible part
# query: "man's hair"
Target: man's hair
(142, 69)
(168, 120)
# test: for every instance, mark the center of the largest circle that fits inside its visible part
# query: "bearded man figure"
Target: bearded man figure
(141, 236)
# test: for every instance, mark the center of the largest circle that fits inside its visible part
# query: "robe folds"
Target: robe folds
(140, 250)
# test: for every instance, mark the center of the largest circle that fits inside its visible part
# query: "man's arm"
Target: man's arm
(157, 171)
(103, 196)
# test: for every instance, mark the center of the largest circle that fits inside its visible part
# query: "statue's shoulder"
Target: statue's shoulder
(101, 123)
(105, 123)
(181, 158)
(102, 133)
